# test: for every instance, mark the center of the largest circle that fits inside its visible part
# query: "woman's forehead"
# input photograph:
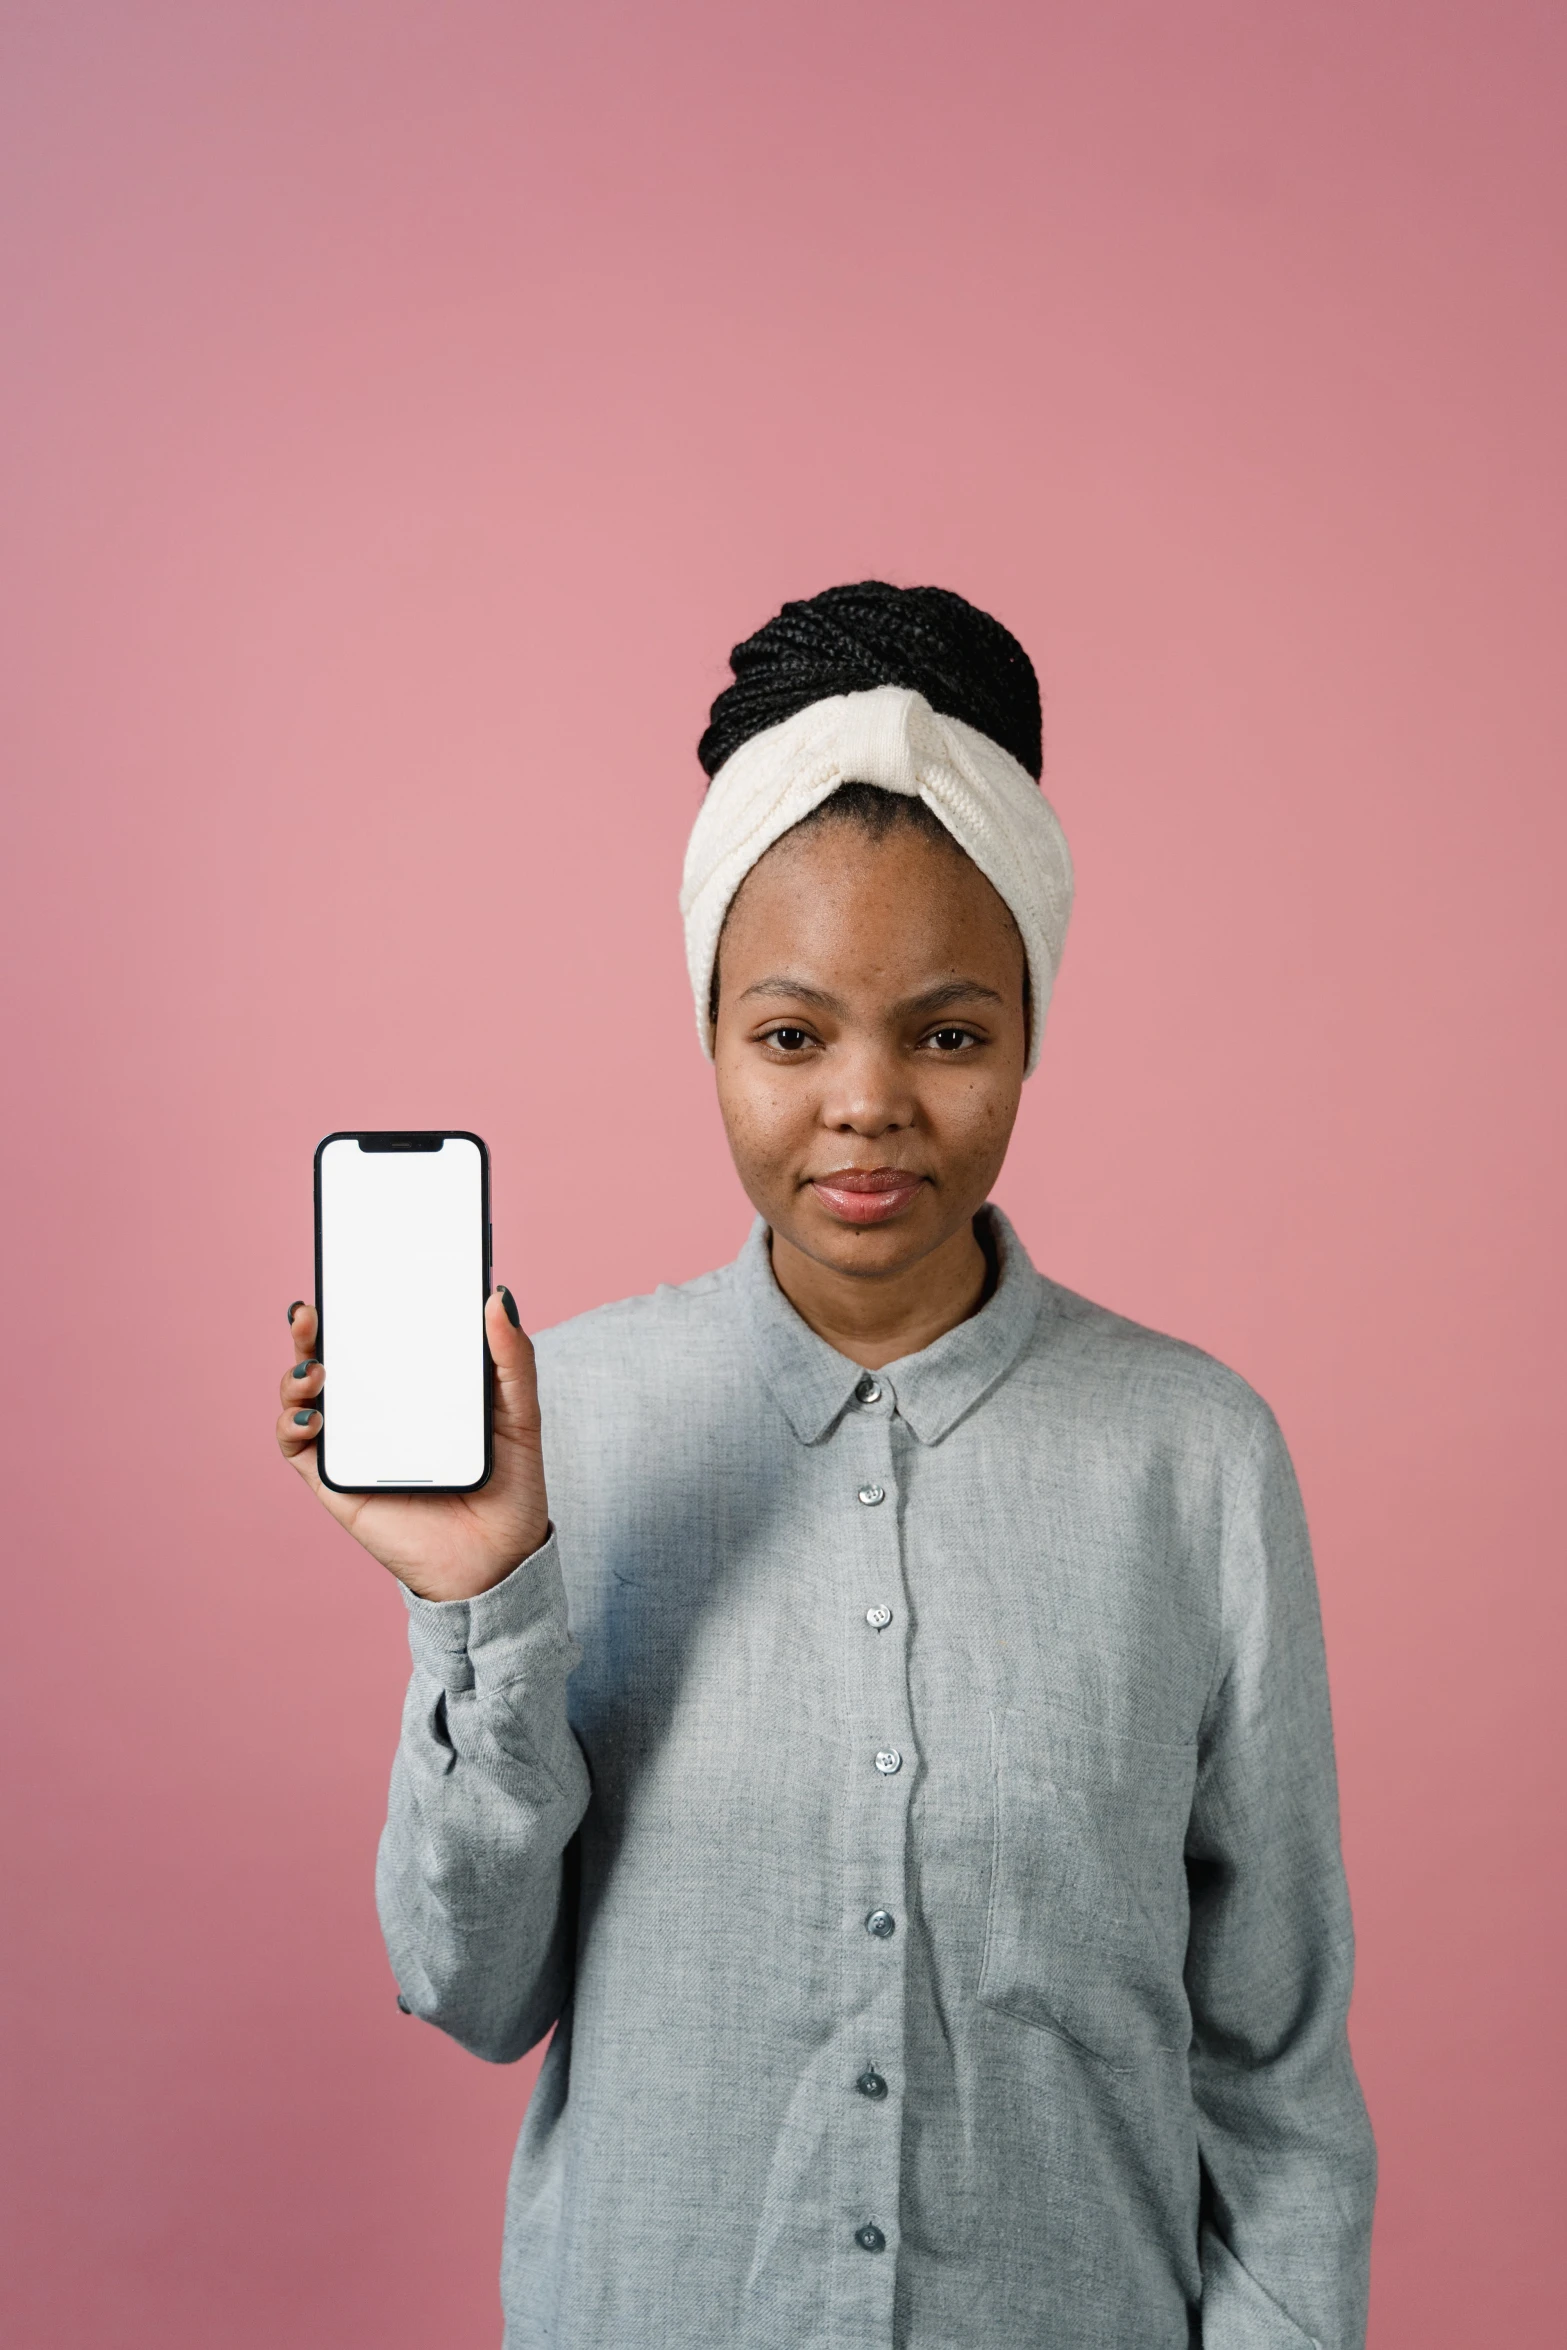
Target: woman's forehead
(831, 897)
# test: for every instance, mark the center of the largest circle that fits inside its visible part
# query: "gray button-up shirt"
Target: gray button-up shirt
(963, 1731)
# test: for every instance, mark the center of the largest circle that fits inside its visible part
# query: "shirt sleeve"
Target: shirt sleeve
(1289, 2167)
(488, 1788)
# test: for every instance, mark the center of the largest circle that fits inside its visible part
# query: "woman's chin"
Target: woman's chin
(849, 1245)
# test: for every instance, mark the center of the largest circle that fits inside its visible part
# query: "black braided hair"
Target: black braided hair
(848, 639)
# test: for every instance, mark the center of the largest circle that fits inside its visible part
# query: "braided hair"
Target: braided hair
(850, 639)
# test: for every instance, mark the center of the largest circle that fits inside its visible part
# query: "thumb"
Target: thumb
(516, 1385)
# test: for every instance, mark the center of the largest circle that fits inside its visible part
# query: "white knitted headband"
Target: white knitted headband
(891, 737)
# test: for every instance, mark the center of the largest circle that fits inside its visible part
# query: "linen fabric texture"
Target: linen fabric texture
(891, 737)
(961, 1729)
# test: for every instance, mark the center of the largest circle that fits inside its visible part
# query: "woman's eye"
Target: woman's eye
(952, 1040)
(788, 1040)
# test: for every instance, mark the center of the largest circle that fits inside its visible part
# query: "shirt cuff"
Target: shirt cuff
(465, 1641)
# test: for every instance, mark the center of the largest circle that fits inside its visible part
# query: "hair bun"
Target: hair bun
(849, 639)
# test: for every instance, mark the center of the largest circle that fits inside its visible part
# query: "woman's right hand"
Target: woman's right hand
(441, 1545)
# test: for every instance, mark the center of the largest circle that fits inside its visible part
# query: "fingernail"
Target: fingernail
(303, 1370)
(303, 1419)
(293, 1310)
(510, 1303)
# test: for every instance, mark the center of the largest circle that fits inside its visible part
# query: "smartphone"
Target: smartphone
(402, 1273)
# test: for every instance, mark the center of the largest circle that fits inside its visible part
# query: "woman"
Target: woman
(876, 1713)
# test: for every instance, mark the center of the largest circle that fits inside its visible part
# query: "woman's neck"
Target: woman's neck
(879, 1318)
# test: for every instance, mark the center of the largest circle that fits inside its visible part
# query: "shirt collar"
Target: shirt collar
(933, 1389)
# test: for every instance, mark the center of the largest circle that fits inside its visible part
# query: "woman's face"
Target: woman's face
(871, 1042)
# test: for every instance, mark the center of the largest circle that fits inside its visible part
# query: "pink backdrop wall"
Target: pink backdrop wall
(405, 408)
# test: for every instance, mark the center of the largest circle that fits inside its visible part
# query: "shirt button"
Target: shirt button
(870, 2238)
(889, 1760)
(878, 1618)
(871, 2084)
(867, 1390)
(872, 1494)
(881, 1923)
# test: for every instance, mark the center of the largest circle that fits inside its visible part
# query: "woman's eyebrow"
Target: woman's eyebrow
(955, 991)
(780, 983)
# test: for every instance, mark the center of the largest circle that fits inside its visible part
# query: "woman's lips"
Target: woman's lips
(866, 1195)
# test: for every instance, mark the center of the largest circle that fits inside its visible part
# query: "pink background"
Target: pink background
(405, 408)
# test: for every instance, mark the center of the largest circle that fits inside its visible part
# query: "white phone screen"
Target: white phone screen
(402, 1313)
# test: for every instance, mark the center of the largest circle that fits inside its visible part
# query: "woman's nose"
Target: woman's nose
(868, 1094)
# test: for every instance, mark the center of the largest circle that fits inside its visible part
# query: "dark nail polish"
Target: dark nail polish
(293, 1310)
(303, 1370)
(303, 1419)
(510, 1303)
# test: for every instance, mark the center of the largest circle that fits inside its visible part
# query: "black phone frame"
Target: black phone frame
(411, 1138)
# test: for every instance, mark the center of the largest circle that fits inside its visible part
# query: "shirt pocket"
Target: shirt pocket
(1087, 1926)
